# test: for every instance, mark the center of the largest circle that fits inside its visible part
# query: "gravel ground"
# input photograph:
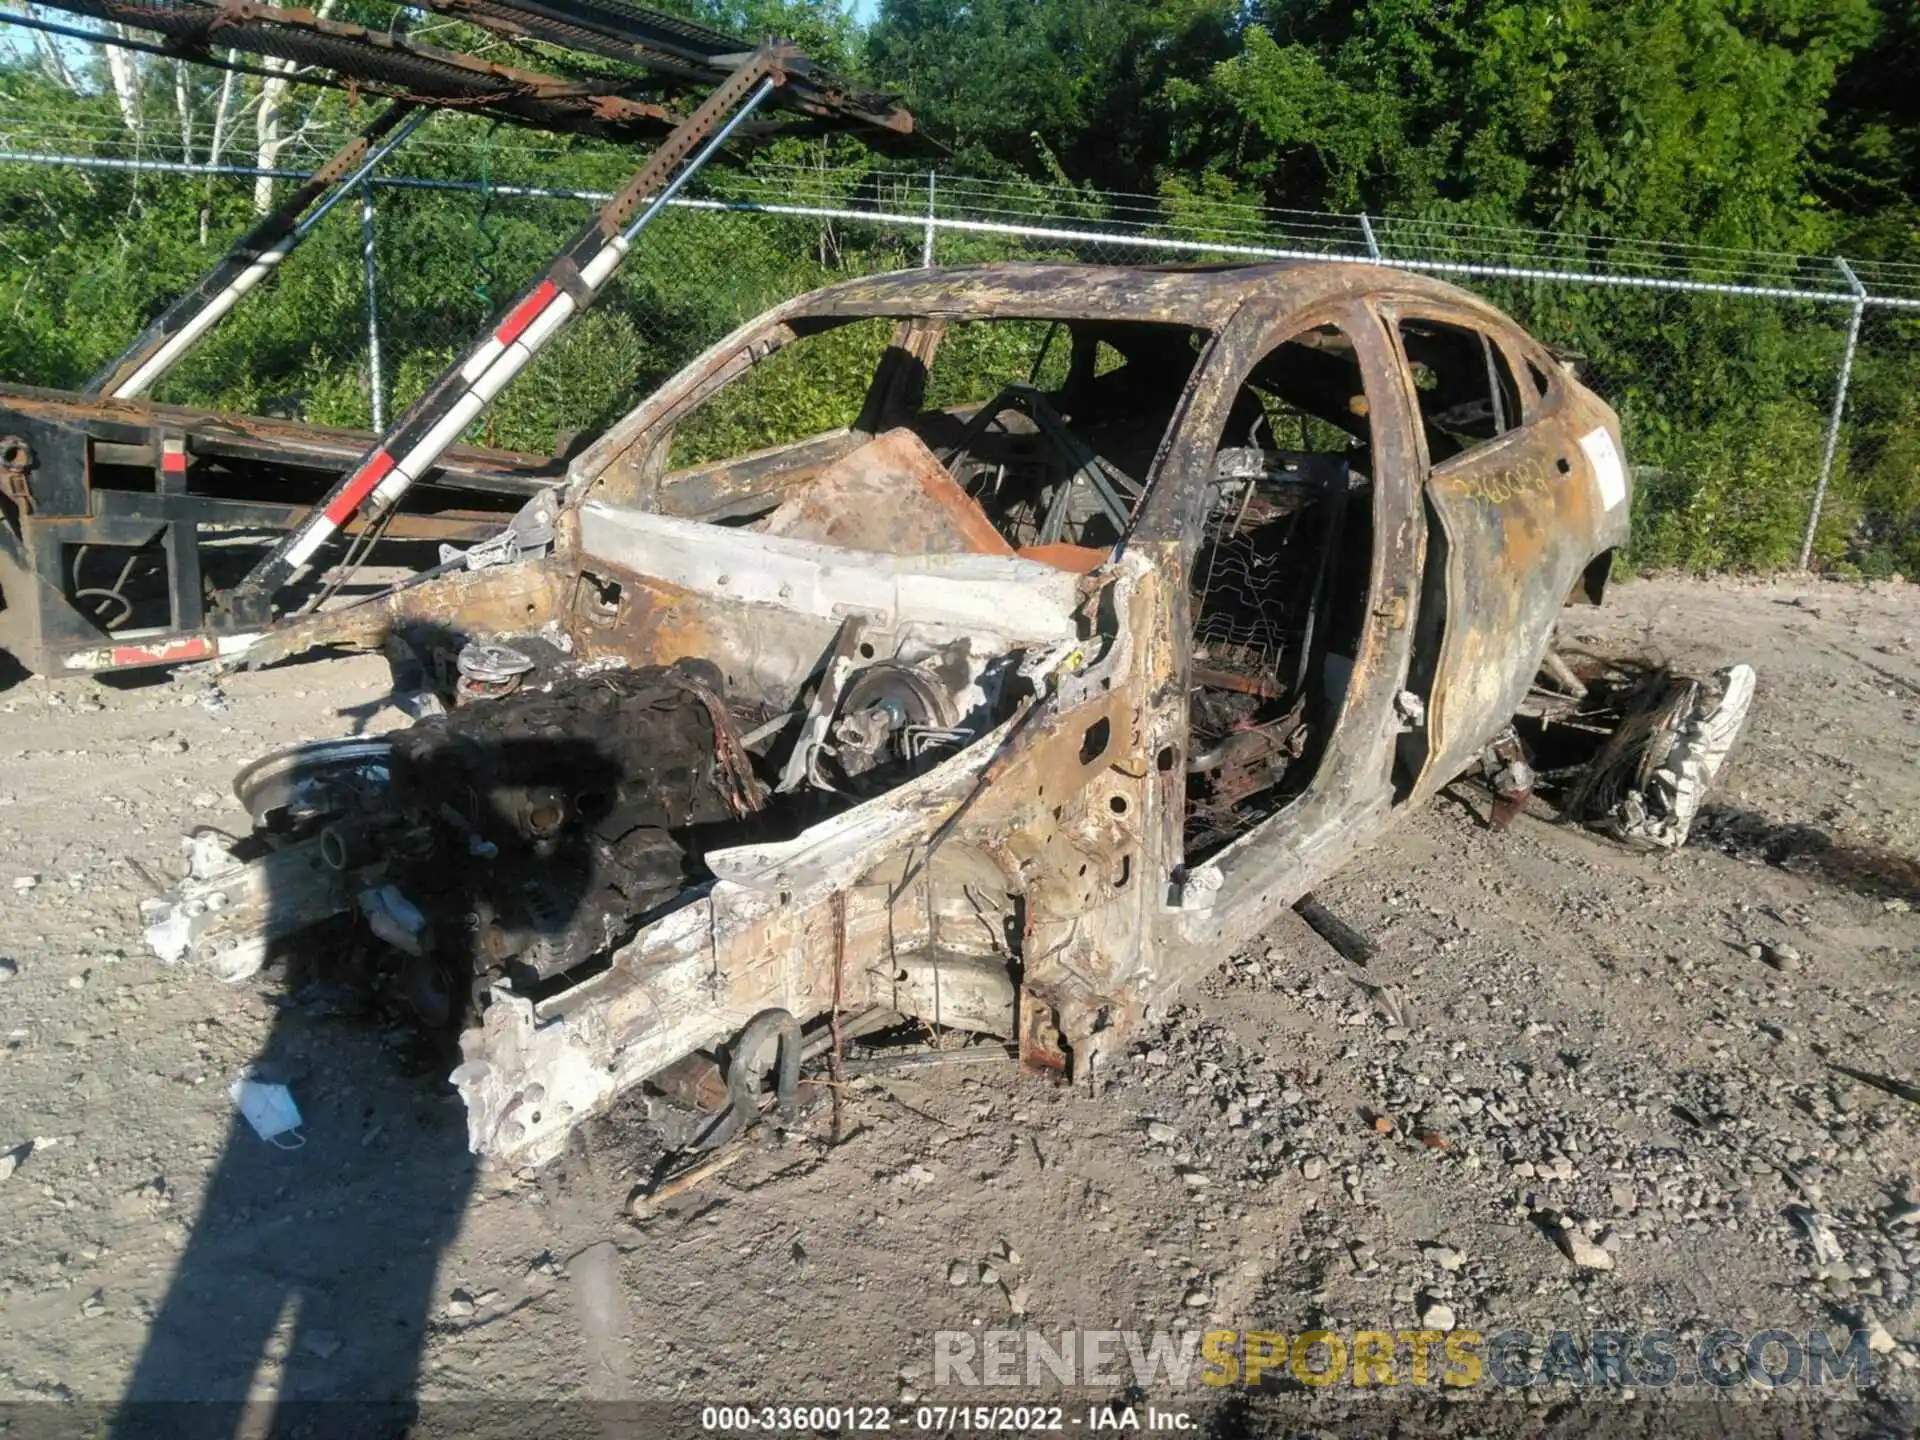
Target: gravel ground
(1577, 1089)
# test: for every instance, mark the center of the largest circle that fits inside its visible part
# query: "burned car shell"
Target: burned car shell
(1035, 884)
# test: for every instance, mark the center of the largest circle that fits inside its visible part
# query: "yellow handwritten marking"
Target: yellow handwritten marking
(1527, 478)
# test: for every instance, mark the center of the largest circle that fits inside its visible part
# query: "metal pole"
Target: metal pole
(138, 368)
(1839, 409)
(319, 212)
(926, 244)
(376, 381)
(410, 446)
(1366, 229)
(705, 153)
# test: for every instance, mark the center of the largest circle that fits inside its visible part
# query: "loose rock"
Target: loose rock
(1580, 1248)
(323, 1343)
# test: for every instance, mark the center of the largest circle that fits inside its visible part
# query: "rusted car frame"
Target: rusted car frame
(1056, 870)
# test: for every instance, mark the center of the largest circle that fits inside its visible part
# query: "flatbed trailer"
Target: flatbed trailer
(121, 519)
(125, 515)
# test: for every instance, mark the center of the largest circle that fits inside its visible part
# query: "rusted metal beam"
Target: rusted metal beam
(670, 45)
(432, 423)
(672, 54)
(128, 427)
(381, 62)
(253, 258)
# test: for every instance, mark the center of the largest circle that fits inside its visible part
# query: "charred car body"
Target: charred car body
(1123, 606)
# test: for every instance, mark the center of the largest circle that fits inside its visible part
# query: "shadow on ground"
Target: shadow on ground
(1875, 873)
(306, 1293)
(311, 1272)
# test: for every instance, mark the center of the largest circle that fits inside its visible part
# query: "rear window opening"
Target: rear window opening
(1466, 390)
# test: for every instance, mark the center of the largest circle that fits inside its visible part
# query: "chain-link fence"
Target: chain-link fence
(1770, 403)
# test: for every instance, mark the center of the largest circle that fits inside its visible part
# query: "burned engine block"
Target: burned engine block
(527, 834)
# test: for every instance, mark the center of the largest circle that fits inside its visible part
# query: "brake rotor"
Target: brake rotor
(309, 782)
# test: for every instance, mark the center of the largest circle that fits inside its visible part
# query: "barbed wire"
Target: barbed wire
(1749, 455)
(1229, 219)
(521, 159)
(1170, 242)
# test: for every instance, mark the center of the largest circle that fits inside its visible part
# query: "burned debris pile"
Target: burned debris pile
(535, 831)
(1630, 746)
(527, 832)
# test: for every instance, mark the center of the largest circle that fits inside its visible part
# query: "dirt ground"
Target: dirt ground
(1645, 1047)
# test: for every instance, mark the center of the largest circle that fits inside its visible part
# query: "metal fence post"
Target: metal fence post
(1839, 409)
(376, 382)
(926, 244)
(1366, 229)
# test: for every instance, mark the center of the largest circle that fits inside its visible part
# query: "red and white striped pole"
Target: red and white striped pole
(418, 439)
(180, 327)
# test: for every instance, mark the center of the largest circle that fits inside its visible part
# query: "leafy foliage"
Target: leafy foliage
(812, 386)
(1773, 125)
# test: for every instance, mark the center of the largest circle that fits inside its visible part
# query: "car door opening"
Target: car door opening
(1279, 585)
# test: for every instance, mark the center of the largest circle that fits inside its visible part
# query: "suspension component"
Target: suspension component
(746, 1076)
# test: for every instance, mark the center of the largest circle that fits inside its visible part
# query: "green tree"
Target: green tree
(1031, 85)
(1671, 118)
(1780, 124)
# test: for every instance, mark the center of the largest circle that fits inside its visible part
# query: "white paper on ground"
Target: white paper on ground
(268, 1108)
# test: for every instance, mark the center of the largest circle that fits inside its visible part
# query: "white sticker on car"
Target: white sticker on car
(1609, 475)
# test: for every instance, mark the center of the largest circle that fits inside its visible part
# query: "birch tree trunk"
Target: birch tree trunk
(216, 143)
(183, 106)
(51, 61)
(269, 121)
(268, 130)
(124, 68)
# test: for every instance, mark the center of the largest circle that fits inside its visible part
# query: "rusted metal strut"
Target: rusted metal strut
(434, 421)
(179, 327)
